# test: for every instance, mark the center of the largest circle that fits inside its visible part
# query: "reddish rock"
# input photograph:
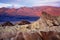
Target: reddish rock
(28, 36)
(51, 35)
(19, 36)
(34, 11)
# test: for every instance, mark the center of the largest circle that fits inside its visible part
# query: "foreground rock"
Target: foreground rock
(27, 36)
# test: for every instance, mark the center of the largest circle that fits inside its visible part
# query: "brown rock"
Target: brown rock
(51, 35)
(19, 36)
(23, 22)
(7, 24)
(28, 36)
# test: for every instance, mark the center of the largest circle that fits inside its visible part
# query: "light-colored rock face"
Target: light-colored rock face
(43, 27)
(47, 22)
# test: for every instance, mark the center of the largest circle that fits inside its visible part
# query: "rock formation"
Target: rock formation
(47, 22)
(46, 28)
(23, 22)
(7, 24)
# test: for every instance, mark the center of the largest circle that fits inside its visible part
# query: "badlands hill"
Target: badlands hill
(46, 28)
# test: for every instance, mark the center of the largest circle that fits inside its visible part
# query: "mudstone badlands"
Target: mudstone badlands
(46, 28)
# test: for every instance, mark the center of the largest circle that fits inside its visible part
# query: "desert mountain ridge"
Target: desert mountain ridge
(31, 11)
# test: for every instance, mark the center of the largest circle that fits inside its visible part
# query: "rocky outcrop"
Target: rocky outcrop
(7, 24)
(50, 20)
(47, 22)
(23, 22)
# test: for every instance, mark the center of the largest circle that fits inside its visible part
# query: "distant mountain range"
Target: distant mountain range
(30, 13)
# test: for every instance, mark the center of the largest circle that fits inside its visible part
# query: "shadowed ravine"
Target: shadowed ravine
(46, 28)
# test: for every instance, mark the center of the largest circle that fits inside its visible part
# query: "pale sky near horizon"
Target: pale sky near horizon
(28, 3)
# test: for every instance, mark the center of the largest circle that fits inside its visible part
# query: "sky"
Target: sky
(28, 3)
